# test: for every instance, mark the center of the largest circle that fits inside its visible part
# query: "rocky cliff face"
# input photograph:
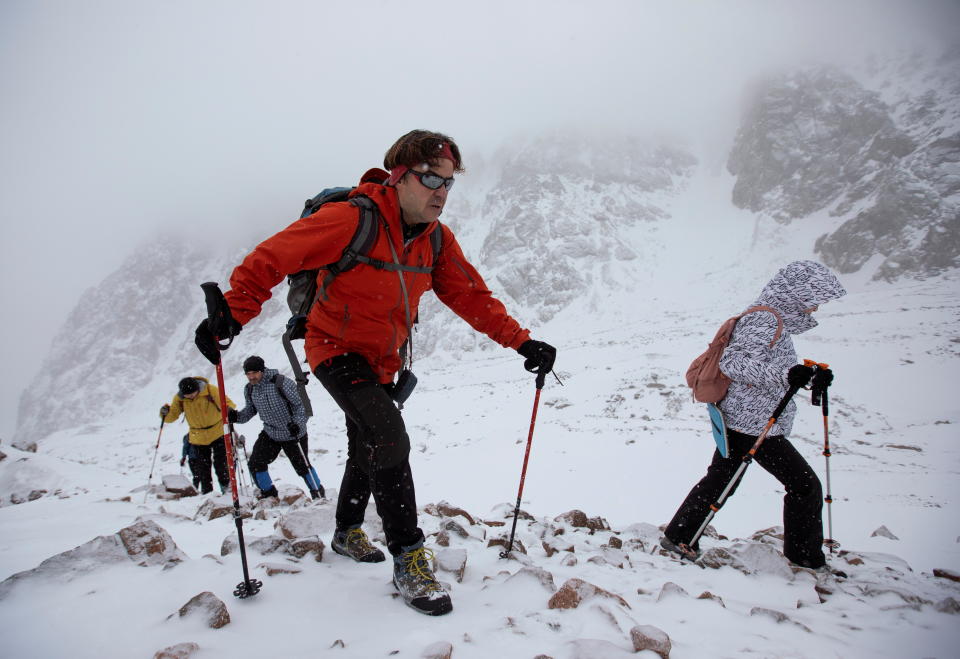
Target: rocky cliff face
(879, 151)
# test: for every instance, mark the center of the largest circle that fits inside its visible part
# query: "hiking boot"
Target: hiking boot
(319, 493)
(827, 571)
(416, 584)
(266, 494)
(354, 543)
(680, 550)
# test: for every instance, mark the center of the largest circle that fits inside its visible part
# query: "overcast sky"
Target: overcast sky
(119, 119)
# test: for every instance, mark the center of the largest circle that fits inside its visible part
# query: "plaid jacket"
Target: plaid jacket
(276, 409)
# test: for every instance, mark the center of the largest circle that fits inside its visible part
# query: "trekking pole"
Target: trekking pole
(215, 304)
(541, 376)
(244, 488)
(687, 548)
(156, 449)
(819, 397)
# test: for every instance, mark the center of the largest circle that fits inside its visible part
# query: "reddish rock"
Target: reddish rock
(178, 651)
(946, 574)
(575, 591)
(648, 637)
(447, 510)
(210, 607)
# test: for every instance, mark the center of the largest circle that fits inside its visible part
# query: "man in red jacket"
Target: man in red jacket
(357, 325)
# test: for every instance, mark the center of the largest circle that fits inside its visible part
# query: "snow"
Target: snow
(619, 440)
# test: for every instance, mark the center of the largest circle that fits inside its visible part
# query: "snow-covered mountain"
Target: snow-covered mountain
(880, 153)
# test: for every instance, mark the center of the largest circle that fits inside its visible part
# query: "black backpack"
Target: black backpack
(303, 291)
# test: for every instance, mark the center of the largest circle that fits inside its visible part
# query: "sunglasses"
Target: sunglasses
(432, 181)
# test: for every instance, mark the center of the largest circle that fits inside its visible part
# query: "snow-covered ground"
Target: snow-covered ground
(620, 440)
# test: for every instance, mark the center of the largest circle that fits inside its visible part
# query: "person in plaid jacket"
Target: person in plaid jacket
(275, 398)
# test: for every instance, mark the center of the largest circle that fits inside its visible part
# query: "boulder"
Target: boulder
(438, 650)
(178, 484)
(648, 637)
(209, 607)
(178, 651)
(453, 561)
(576, 591)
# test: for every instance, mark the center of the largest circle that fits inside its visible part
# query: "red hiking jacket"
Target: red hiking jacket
(364, 312)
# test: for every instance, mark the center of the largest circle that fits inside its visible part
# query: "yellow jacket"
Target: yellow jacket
(202, 413)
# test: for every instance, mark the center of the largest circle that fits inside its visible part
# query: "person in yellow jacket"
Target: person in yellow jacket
(199, 402)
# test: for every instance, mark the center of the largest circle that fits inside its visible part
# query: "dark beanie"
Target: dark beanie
(253, 363)
(189, 386)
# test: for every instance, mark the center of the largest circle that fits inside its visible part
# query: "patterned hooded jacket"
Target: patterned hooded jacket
(276, 409)
(759, 370)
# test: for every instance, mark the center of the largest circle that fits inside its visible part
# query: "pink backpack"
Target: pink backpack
(709, 385)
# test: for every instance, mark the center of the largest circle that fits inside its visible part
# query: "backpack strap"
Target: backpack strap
(298, 375)
(278, 380)
(763, 307)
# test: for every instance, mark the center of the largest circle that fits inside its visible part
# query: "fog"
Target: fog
(127, 121)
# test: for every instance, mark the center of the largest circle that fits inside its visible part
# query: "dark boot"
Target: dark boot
(417, 585)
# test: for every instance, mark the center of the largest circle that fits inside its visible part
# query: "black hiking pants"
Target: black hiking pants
(378, 452)
(213, 454)
(266, 450)
(802, 504)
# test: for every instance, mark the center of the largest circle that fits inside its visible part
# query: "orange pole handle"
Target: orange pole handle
(820, 365)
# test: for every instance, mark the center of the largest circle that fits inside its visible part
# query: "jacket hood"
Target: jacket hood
(797, 286)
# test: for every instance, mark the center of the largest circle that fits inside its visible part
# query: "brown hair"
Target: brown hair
(419, 146)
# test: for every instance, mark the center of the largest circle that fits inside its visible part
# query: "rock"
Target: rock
(615, 542)
(948, 605)
(273, 569)
(178, 651)
(761, 558)
(707, 595)
(575, 591)
(671, 589)
(884, 532)
(579, 519)
(209, 607)
(303, 546)
(714, 557)
(648, 637)
(438, 650)
(270, 544)
(777, 617)
(177, 484)
(3, 456)
(451, 526)
(568, 560)
(24, 445)
(306, 522)
(442, 539)
(338, 644)
(216, 508)
(503, 541)
(946, 574)
(447, 510)
(453, 561)
(147, 543)
(35, 494)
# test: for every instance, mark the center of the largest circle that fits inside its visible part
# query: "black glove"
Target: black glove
(294, 429)
(799, 375)
(183, 461)
(232, 415)
(205, 339)
(822, 379)
(164, 411)
(539, 356)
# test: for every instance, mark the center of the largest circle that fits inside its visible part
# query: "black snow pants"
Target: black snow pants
(802, 504)
(214, 453)
(378, 452)
(266, 450)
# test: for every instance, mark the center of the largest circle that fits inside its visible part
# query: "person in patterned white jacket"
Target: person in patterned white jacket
(762, 369)
(276, 400)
